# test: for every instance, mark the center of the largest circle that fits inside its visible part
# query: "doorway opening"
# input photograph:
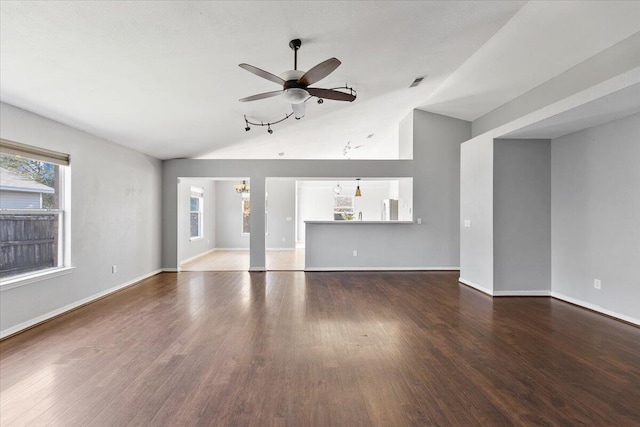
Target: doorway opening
(213, 224)
(281, 249)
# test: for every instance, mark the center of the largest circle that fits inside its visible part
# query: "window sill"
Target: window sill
(191, 239)
(26, 279)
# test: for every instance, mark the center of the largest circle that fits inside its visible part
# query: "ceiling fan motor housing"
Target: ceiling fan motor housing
(294, 92)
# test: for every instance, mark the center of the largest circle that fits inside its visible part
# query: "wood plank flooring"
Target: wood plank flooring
(321, 349)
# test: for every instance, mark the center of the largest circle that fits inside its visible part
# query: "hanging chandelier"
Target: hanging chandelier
(242, 188)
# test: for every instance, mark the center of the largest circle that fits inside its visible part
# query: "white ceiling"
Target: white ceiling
(611, 107)
(163, 77)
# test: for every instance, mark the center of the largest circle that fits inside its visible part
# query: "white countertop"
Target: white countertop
(355, 221)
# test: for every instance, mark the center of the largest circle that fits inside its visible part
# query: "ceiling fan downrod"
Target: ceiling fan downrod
(295, 45)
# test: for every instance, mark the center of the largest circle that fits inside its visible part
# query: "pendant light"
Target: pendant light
(337, 189)
(358, 192)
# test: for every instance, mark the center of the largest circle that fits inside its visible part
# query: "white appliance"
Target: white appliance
(390, 210)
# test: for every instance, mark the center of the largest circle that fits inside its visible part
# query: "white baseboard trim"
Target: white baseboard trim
(521, 293)
(40, 319)
(171, 270)
(595, 308)
(280, 249)
(184, 261)
(475, 286)
(257, 269)
(311, 269)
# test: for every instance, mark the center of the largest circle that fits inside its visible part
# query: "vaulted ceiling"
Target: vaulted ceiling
(163, 77)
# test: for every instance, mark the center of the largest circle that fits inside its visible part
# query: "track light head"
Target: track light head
(320, 100)
(269, 130)
(247, 129)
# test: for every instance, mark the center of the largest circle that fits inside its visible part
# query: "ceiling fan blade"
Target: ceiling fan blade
(262, 73)
(261, 96)
(331, 94)
(299, 110)
(319, 72)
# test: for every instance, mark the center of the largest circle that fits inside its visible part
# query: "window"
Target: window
(343, 207)
(33, 218)
(246, 215)
(196, 210)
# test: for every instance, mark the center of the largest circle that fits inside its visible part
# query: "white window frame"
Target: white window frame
(63, 212)
(197, 193)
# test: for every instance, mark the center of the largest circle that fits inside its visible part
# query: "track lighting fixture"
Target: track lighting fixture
(268, 124)
(320, 100)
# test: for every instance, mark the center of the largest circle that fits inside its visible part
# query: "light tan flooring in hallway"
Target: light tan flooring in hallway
(225, 260)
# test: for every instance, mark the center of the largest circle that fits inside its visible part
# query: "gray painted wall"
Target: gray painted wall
(190, 249)
(258, 171)
(522, 215)
(281, 205)
(434, 244)
(115, 218)
(229, 216)
(379, 246)
(595, 208)
(476, 205)
(436, 185)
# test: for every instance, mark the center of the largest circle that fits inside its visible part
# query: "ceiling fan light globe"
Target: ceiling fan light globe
(295, 95)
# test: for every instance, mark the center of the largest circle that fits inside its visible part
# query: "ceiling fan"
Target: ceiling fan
(295, 85)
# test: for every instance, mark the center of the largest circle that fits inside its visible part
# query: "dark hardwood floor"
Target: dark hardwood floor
(335, 349)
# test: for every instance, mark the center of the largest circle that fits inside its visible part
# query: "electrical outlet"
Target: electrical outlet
(467, 223)
(419, 221)
(283, 239)
(355, 253)
(114, 269)
(597, 284)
